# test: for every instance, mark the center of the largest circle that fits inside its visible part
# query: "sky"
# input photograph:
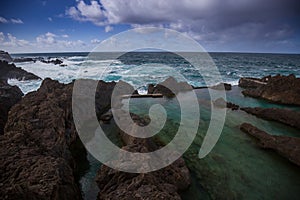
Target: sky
(268, 26)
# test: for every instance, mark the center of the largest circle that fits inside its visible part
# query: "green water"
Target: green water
(236, 168)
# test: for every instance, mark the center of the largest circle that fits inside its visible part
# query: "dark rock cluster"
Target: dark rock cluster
(285, 116)
(10, 71)
(277, 89)
(9, 96)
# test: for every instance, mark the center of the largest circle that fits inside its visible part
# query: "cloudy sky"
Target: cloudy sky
(218, 25)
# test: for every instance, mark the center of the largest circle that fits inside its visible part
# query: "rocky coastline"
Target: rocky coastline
(40, 149)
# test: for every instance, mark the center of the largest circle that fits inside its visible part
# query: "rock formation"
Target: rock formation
(9, 96)
(285, 116)
(221, 103)
(288, 147)
(169, 88)
(277, 89)
(222, 86)
(162, 184)
(4, 56)
(8, 71)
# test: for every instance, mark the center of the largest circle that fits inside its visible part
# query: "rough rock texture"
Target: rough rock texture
(16, 60)
(55, 62)
(169, 87)
(9, 96)
(162, 184)
(222, 86)
(221, 103)
(8, 71)
(288, 147)
(278, 89)
(35, 160)
(285, 116)
(4, 56)
(247, 82)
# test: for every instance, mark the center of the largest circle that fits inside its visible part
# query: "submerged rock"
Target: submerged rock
(288, 147)
(169, 87)
(55, 62)
(10, 71)
(285, 116)
(221, 103)
(277, 89)
(9, 96)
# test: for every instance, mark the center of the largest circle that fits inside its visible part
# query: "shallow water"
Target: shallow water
(236, 168)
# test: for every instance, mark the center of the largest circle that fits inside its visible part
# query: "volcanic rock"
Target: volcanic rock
(285, 116)
(10, 71)
(278, 89)
(288, 147)
(9, 96)
(169, 87)
(4, 56)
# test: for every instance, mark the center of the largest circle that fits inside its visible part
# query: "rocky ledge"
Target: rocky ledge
(285, 116)
(277, 89)
(162, 184)
(8, 71)
(288, 147)
(169, 87)
(9, 96)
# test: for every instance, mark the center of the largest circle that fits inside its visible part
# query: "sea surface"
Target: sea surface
(236, 168)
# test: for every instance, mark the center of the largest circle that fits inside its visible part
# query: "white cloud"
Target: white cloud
(50, 19)
(2, 36)
(65, 36)
(87, 12)
(12, 21)
(3, 20)
(16, 21)
(108, 28)
(95, 41)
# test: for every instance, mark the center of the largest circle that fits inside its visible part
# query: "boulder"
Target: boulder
(222, 86)
(9, 96)
(4, 56)
(55, 61)
(288, 147)
(247, 82)
(285, 116)
(169, 87)
(278, 89)
(10, 71)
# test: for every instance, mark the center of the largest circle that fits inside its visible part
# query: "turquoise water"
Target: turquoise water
(236, 168)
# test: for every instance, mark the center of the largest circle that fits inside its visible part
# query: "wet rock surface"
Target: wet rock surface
(9, 96)
(221, 103)
(285, 116)
(288, 147)
(10, 71)
(169, 88)
(162, 184)
(276, 89)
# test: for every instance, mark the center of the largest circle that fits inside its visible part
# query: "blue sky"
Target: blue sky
(218, 25)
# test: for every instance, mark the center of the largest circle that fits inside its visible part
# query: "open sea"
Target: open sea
(236, 168)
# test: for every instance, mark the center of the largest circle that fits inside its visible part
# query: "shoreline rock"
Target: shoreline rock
(276, 89)
(10, 71)
(4, 56)
(285, 116)
(9, 96)
(288, 147)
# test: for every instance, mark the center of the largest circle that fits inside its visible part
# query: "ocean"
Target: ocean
(142, 68)
(236, 168)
